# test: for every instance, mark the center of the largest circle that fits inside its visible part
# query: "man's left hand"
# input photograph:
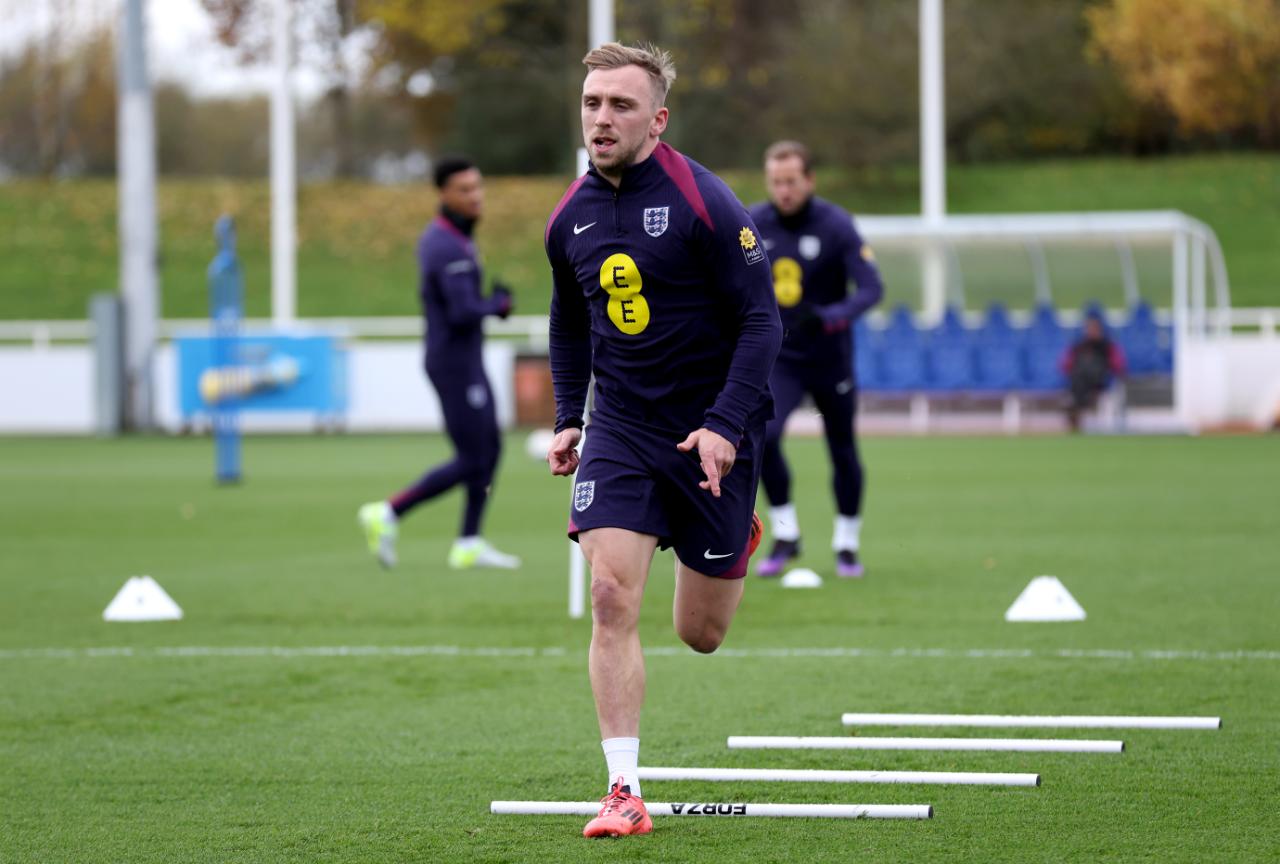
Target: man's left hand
(715, 453)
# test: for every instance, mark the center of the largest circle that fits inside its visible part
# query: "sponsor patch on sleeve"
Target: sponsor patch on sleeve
(868, 255)
(750, 248)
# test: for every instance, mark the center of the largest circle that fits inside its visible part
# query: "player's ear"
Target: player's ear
(659, 123)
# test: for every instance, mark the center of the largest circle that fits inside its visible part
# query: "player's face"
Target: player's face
(621, 120)
(788, 185)
(463, 193)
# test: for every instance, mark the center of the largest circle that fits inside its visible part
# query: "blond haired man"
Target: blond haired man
(661, 290)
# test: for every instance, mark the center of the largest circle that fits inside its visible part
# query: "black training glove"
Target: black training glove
(502, 299)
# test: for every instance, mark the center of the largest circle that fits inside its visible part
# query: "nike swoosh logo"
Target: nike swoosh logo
(577, 230)
(711, 557)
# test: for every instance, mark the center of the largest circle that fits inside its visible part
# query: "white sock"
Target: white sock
(469, 542)
(389, 512)
(623, 757)
(786, 525)
(846, 533)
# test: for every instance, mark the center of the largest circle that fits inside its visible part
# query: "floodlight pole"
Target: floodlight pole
(933, 151)
(138, 229)
(284, 287)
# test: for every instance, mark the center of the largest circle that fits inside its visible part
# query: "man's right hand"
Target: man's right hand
(563, 454)
(502, 294)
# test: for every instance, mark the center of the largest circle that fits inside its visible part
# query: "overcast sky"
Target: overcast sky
(180, 41)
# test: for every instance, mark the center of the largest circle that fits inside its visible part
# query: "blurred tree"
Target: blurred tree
(324, 33)
(57, 104)
(728, 54)
(1214, 64)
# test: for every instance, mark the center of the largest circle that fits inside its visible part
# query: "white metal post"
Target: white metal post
(600, 29)
(1181, 341)
(284, 289)
(138, 230)
(933, 165)
(1199, 303)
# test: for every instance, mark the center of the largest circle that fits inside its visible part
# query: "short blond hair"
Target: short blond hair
(649, 57)
(788, 150)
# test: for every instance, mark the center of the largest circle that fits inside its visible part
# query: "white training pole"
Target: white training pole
(1028, 721)
(933, 153)
(284, 287)
(1023, 745)
(803, 811)
(805, 775)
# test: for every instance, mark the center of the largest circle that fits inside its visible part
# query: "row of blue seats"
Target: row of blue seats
(995, 356)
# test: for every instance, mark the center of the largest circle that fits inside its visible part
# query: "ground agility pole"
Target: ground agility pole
(802, 811)
(806, 775)
(1030, 721)
(1024, 745)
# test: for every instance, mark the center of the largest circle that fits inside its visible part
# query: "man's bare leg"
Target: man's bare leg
(619, 561)
(704, 607)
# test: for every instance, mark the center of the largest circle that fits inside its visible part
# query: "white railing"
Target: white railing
(529, 328)
(532, 329)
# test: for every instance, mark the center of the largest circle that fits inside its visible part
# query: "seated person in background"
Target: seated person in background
(1089, 366)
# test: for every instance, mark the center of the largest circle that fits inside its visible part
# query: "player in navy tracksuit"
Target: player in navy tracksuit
(662, 290)
(815, 251)
(450, 291)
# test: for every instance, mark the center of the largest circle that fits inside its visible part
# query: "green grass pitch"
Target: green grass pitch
(152, 755)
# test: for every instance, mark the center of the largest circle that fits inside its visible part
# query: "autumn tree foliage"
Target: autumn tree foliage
(1213, 64)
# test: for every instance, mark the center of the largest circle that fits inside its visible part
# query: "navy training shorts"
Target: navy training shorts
(636, 479)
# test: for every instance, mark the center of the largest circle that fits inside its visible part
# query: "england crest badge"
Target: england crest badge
(655, 220)
(810, 246)
(583, 494)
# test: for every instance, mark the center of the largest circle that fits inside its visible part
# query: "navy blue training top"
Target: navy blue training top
(661, 288)
(815, 252)
(449, 288)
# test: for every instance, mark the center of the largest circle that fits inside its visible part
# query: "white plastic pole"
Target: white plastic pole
(600, 29)
(933, 166)
(139, 231)
(806, 775)
(1023, 745)
(284, 288)
(600, 23)
(933, 161)
(804, 811)
(577, 581)
(1029, 721)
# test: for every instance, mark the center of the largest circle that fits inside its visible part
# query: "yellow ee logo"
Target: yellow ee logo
(620, 278)
(786, 282)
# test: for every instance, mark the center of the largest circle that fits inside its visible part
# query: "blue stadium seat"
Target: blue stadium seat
(1046, 339)
(1148, 346)
(998, 351)
(901, 351)
(951, 359)
(866, 362)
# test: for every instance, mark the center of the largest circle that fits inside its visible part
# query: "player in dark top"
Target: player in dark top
(815, 251)
(1090, 364)
(662, 290)
(449, 288)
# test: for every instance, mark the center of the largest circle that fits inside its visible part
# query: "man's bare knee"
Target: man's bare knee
(704, 637)
(612, 604)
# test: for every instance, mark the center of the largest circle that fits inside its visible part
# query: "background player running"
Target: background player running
(662, 289)
(816, 251)
(449, 288)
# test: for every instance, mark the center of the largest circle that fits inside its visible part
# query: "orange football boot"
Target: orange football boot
(620, 813)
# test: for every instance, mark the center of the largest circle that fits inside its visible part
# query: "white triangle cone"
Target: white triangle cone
(1045, 599)
(142, 599)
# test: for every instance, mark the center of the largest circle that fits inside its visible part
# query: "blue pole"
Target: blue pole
(226, 308)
